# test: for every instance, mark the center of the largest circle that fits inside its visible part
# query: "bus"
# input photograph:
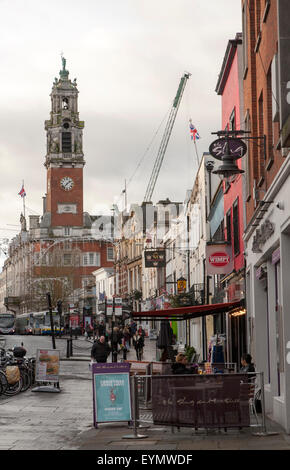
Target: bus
(24, 324)
(41, 323)
(7, 323)
(37, 323)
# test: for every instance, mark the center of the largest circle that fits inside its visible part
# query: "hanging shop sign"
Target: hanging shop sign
(47, 365)
(111, 392)
(219, 259)
(155, 258)
(236, 148)
(181, 285)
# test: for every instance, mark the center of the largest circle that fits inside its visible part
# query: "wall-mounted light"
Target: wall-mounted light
(228, 148)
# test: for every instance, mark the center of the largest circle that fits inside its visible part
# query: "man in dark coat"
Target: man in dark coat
(102, 328)
(100, 350)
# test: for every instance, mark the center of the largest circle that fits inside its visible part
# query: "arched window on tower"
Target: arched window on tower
(65, 103)
(66, 137)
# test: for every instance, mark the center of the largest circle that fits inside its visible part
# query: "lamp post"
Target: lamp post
(228, 148)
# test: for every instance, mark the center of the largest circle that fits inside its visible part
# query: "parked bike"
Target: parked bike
(17, 373)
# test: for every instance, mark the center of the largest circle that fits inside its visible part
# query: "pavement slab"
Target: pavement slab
(64, 421)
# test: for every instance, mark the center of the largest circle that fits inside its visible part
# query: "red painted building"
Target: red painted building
(230, 88)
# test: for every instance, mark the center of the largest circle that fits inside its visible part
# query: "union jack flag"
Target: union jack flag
(193, 132)
(22, 192)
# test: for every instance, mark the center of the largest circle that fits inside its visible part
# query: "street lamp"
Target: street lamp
(228, 149)
(228, 171)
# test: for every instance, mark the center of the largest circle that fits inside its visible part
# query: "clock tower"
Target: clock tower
(64, 159)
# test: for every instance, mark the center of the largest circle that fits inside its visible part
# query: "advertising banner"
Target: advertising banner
(111, 392)
(118, 306)
(201, 401)
(47, 365)
(219, 259)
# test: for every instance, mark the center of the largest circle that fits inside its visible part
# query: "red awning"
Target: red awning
(186, 313)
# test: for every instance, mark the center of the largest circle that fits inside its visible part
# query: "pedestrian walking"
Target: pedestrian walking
(88, 330)
(126, 338)
(100, 350)
(95, 330)
(102, 328)
(139, 345)
(115, 342)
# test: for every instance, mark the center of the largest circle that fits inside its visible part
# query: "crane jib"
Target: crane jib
(175, 102)
(165, 138)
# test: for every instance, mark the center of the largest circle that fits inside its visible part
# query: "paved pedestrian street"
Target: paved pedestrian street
(64, 421)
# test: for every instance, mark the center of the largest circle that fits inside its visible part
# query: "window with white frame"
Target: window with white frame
(67, 259)
(67, 231)
(91, 259)
(110, 253)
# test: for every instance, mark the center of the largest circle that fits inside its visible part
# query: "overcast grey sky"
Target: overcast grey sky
(128, 57)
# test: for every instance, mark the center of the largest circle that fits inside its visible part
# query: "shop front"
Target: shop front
(268, 294)
(191, 313)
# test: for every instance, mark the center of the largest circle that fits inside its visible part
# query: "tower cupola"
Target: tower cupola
(64, 129)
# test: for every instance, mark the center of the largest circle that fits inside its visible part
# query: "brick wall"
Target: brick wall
(261, 43)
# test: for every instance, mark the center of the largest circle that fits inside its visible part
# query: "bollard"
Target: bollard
(114, 356)
(67, 348)
(124, 354)
(71, 347)
(135, 412)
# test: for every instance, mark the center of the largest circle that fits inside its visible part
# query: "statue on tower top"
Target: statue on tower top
(63, 63)
(63, 73)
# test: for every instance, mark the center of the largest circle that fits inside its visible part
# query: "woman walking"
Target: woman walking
(139, 345)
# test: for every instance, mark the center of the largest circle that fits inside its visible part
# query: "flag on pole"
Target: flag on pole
(193, 132)
(22, 192)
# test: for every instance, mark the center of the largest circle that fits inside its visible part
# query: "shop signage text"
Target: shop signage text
(262, 235)
(219, 259)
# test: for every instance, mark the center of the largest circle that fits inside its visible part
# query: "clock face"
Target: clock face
(66, 183)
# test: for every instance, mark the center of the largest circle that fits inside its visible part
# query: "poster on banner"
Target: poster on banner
(219, 259)
(118, 306)
(111, 392)
(47, 365)
(109, 307)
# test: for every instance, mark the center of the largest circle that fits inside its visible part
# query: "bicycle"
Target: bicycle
(6, 360)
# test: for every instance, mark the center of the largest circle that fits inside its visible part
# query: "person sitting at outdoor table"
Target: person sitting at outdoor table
(179, 367)
(247, 364)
